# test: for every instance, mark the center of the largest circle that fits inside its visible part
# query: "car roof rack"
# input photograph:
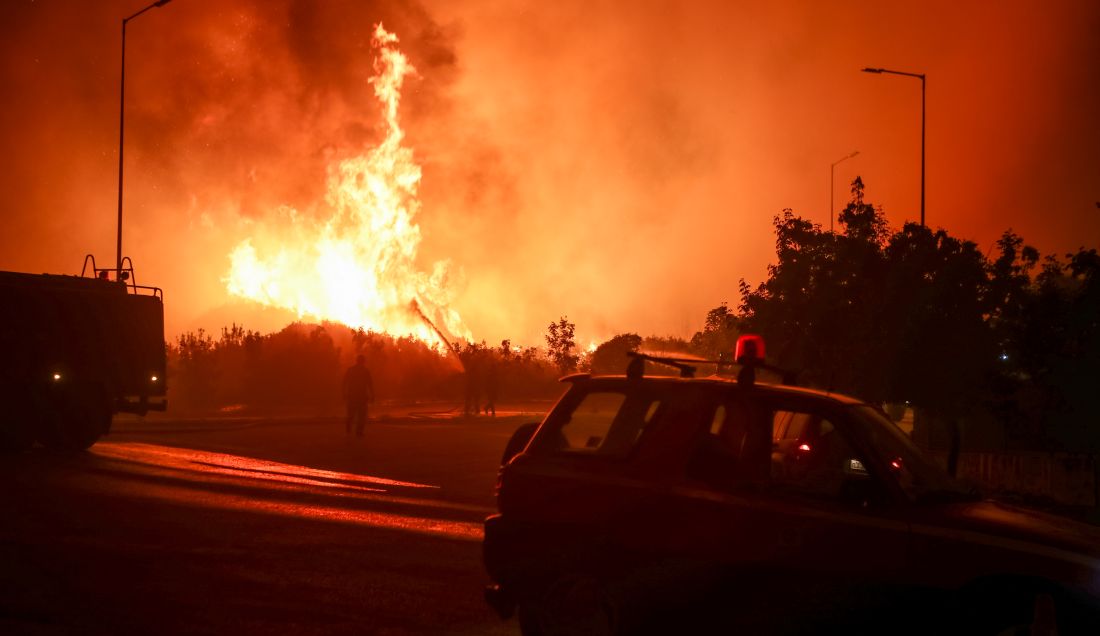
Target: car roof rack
(635, 369)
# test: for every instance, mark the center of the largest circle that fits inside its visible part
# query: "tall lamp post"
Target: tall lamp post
(832, 180)
(121, 123)
(921, 77)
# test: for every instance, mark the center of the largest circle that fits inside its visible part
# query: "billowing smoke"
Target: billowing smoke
(618, 163)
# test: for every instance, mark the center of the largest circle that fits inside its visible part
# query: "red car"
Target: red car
(684, 505)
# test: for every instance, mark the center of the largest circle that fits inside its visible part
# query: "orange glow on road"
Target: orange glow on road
(357, 265)
(236, 465)
(215, 480)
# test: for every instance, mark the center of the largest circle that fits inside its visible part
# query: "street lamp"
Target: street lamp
(832, 180)
(921, 77)
(121, 122)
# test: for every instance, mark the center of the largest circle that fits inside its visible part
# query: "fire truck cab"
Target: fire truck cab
(75, 350)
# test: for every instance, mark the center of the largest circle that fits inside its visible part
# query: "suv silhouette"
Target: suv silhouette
(685, 505)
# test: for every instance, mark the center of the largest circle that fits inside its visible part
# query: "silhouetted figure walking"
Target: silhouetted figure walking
(358, 392)
(473, 388)
(492, 385)
(474, 378)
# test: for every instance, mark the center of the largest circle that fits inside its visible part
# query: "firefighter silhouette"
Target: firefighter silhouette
(474, 378)
(492, 387)
(358, 393)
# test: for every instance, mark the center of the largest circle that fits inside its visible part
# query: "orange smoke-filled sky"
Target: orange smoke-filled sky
(616, 162)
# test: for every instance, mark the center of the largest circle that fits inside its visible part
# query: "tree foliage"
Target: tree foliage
(300, 368)
(719, 334)
(560, 344)
(610, 357)
(920, 316)
(1050, 348)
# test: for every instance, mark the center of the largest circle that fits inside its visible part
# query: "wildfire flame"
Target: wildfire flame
(357, 266)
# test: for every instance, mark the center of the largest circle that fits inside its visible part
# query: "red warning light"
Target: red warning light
(749, 347)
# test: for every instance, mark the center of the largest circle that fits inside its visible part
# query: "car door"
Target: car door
(804, 516)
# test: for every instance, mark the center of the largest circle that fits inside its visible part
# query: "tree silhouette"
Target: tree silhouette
(610, 357)
(719, 334)
(920, 316)
(881, 316)
(560, 344)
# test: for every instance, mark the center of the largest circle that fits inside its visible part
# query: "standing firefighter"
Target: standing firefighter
(492, 388)
(358, 392)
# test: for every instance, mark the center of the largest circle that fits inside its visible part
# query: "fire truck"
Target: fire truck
(75, 350)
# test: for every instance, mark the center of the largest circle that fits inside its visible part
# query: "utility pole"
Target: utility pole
(121, 130)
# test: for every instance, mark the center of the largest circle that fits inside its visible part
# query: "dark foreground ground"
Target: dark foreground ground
(255, 526)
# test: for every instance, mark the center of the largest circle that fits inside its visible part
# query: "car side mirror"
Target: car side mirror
(519, 441)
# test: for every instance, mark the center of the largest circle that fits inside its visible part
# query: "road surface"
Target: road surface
(271, 526)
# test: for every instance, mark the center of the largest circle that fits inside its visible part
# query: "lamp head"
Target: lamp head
(161, 3)
(872, 70)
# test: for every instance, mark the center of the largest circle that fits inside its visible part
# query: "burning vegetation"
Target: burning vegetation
(357, 265)
(298, 369)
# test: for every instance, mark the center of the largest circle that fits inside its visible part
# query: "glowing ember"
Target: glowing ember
(357, 266)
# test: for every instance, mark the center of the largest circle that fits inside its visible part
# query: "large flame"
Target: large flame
(357, 266)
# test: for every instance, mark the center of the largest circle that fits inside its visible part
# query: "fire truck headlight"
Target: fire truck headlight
(56, 377)
(153, 379)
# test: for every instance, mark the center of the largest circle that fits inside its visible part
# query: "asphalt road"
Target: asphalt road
(255, 526)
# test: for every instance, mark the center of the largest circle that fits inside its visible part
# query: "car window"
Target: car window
(606, 423)
(815, 458)
(718, 419)
(914, 473)
(591, 420)
(788, 451)
(733, 451)
(780, 424)
(789, 425)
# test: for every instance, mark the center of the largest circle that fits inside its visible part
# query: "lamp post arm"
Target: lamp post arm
(884, 70)
(158, 3)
